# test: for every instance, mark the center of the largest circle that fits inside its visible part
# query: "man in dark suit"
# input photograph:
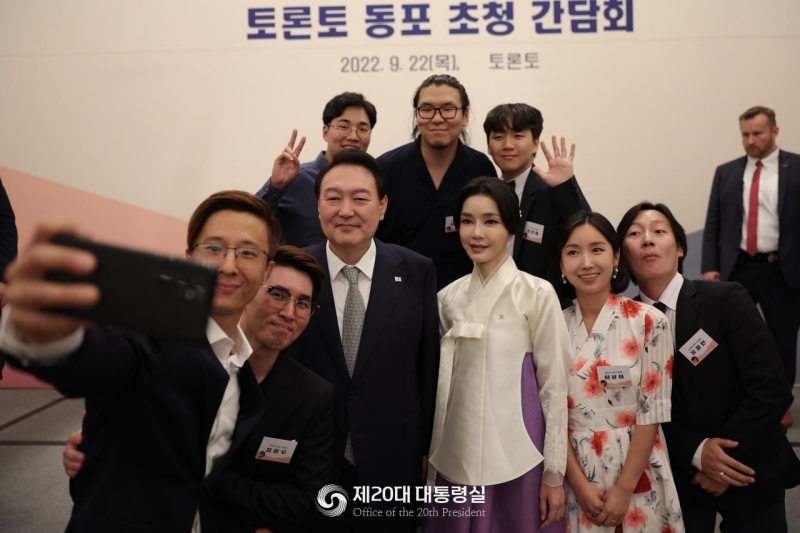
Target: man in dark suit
(546, 198)
(375, 338)
(275, 477)
(728, 451)
(162, 416)
(8, 247)
(752, 231)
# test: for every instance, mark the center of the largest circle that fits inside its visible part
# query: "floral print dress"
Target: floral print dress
(602, 418)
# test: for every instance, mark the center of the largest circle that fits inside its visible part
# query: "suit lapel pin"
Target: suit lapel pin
(398, 279)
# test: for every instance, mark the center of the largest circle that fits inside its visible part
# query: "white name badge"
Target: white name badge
(277, 450)
(698, 347)
(533, 232)
(614, 377)
(449, 225)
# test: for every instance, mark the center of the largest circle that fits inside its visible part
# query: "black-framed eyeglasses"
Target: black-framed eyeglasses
(446, 112)
(280, 297)
(362, 130)
(217, 252)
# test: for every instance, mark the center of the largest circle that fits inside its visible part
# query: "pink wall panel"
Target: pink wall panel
(35, 199)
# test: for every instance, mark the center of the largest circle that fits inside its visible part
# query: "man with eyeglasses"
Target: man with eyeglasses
(276, 474)
(424, 177)
(347, 123)
(162, 418)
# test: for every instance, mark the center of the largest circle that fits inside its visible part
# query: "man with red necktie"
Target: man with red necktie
(752, 231)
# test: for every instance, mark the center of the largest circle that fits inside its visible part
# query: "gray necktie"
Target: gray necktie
(353, 319)
(351, 333)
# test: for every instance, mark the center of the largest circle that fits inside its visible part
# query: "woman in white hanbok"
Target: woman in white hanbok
(498, 452)
(618, 472)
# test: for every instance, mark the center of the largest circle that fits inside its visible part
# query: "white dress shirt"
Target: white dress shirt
(670, 298)
(768, 225)
(339, 283)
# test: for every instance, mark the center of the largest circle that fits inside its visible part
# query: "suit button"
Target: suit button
(343, 433)
(351, 394)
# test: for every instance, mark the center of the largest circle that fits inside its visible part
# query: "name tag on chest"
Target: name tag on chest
(614, 376)
(533, 232)
(277, 450)
(698, 347)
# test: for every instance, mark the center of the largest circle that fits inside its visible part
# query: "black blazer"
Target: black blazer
(8, 241)
(738, 392)
(388, 405)
(150, 407)
(550, 207)
(255, 493)
(722, 236)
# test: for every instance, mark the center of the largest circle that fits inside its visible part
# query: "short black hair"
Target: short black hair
(293, 257)
(496, 189)
(519, 117)
(450, 81)
(336, 106)
(606, 229)
(675, 226)
(355, 158)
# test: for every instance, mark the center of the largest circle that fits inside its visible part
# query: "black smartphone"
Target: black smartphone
(163, 297)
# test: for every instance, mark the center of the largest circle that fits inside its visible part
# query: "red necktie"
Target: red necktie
(752, 215)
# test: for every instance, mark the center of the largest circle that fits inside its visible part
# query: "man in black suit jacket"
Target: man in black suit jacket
(768, 263)
(275, 477)
(546, 198)
(162, 417)
(262, 489)
(728, 452)
(8, 247)
(385, 400)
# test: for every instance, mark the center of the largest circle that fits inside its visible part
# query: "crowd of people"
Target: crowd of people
(529, 377)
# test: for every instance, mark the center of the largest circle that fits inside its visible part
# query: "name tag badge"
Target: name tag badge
(533, 232)
(449, 225)
(276, 450)
(698, 347)
(614, 377)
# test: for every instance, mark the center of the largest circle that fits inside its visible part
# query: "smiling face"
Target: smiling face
(266, 323)
(438, 132)
(238, 280)
(350, 209)
(353, 117)
(651, 250)
(482, 233)
(513, 151)
(588, 261)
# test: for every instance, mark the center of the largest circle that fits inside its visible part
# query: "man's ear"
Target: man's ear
(267, 272)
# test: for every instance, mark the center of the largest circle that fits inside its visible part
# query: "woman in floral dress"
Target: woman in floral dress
(618, 472)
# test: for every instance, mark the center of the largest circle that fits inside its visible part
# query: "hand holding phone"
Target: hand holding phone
(163, 297)
(29, 293)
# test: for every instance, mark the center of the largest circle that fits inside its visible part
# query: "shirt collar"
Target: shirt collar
(235, 350)
(670, 295)
(519, 181)
(366, 264)
(771, 159)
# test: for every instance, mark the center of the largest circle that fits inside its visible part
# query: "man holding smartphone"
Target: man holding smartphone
(260, 489)
(161, 416)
